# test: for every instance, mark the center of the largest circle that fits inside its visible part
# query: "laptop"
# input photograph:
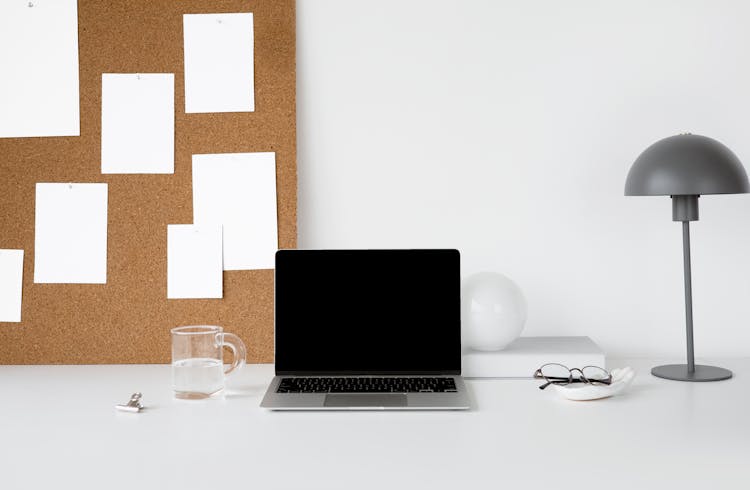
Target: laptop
(367, 330)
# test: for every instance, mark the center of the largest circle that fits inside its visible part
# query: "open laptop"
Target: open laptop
(367, 330)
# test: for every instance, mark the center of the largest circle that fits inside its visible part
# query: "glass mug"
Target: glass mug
(198, 360)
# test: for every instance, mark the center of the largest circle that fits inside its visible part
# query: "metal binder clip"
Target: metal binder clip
(134, 405)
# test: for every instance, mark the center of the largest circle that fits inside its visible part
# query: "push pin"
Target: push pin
(134, 405)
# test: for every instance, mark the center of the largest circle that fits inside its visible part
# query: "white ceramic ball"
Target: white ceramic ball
(493, 311)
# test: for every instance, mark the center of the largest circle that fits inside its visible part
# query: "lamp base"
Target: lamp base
(679, 372)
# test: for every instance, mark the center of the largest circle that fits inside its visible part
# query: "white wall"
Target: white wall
(506, 129)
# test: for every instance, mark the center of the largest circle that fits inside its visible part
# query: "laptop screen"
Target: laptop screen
(368, 312)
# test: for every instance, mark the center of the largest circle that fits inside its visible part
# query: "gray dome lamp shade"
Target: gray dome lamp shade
(685, 167)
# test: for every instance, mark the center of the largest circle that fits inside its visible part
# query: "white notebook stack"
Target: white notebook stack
(526, 354)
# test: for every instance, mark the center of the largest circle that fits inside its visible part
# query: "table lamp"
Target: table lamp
(686, 167)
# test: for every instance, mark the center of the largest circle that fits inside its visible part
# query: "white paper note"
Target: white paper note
(70, 244)
(39, 68)
(194, 268)
(11, 285)
(219, 72)
(238, 190)
(138, 123)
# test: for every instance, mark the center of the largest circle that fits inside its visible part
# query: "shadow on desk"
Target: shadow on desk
(245, 391)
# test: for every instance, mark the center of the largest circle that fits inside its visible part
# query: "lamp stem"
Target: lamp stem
(688, 295)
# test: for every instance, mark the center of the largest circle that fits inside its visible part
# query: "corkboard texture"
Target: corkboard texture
(128, 319)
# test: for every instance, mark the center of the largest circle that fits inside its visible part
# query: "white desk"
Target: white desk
(59, 429)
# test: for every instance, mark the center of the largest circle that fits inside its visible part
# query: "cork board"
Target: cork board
(128, 319)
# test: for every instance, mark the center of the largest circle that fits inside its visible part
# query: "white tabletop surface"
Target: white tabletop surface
(60, 429)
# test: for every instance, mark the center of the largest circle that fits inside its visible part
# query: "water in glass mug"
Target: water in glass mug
(198, 375)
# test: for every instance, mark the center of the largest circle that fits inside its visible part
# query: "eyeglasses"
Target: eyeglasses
(557, 374)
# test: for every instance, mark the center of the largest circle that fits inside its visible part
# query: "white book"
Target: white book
(527, 354)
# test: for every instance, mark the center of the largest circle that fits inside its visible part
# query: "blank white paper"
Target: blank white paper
(39, 60)
(238, 191)
(70, 245)
(138, 123)
(11, 285)
(194, 268)
(219, 72)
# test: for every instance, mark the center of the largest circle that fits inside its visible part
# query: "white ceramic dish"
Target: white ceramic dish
(621, 379)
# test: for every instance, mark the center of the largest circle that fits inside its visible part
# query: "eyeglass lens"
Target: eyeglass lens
(594, 373)
(556, 373)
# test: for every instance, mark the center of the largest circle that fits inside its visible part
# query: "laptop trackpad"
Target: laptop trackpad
(365, 400)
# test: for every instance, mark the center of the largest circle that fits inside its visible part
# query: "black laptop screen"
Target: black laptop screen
(368, 312)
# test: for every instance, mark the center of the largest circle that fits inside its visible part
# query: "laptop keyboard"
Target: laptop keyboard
(366, 385)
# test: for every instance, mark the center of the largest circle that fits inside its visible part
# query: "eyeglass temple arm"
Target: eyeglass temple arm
(553, 380)
(550, 380)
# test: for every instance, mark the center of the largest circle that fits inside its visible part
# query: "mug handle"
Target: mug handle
(237, 347)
